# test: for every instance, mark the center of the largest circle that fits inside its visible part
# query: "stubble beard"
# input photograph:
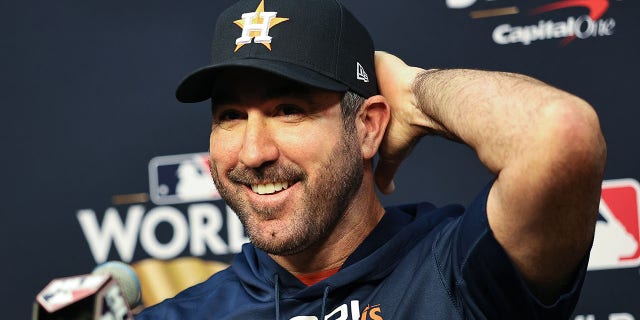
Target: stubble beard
(322, 206)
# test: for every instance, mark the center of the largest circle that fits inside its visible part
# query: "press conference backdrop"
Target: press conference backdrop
(102, 163)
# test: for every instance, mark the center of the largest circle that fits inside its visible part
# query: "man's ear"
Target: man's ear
(371, 123)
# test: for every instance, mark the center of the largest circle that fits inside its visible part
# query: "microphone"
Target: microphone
(108, 293)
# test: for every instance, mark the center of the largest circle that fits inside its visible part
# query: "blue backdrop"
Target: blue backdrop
(89, 121)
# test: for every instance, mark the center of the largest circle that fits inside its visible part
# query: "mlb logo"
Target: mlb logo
(617, 239)
(181, 178)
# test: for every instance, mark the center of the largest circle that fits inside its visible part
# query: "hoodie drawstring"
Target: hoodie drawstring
(277, 294)
(276, 288)
(324, 301)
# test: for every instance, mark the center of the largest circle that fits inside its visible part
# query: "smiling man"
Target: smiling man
(282, 157)
(301, 105)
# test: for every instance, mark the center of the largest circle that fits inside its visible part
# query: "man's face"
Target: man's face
(282, 159)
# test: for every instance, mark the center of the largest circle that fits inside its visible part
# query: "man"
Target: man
(297, 121)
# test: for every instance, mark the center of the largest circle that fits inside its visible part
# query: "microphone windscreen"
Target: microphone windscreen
(126, 278)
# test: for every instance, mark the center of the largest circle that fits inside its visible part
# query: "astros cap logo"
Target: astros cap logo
(255, 25)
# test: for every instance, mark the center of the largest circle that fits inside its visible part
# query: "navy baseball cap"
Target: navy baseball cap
(315, 42)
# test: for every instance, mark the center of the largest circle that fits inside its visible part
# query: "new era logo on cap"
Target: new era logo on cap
(360, 73)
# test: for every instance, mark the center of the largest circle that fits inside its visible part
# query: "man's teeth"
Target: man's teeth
(269, 188)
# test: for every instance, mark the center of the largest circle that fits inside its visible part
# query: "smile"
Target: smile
(269, 188)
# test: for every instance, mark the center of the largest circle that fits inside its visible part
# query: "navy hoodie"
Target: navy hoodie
(420, 262)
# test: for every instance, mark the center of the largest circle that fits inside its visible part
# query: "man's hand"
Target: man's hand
(407, 124)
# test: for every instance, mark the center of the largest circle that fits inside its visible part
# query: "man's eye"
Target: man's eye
(290, 110)
(228, 115)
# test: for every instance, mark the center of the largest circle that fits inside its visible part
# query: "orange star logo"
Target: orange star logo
(255, 27)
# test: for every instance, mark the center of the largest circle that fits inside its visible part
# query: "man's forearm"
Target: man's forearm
(501, 115)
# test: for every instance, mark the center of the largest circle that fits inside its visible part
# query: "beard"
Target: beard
(320, 206)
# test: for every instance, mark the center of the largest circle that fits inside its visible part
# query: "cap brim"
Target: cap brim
(198, 86)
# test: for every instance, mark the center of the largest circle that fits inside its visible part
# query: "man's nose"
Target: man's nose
(258, 146)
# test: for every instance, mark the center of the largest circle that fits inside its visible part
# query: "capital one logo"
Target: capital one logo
(617, 238)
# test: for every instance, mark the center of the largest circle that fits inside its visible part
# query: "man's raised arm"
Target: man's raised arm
(544, 145)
